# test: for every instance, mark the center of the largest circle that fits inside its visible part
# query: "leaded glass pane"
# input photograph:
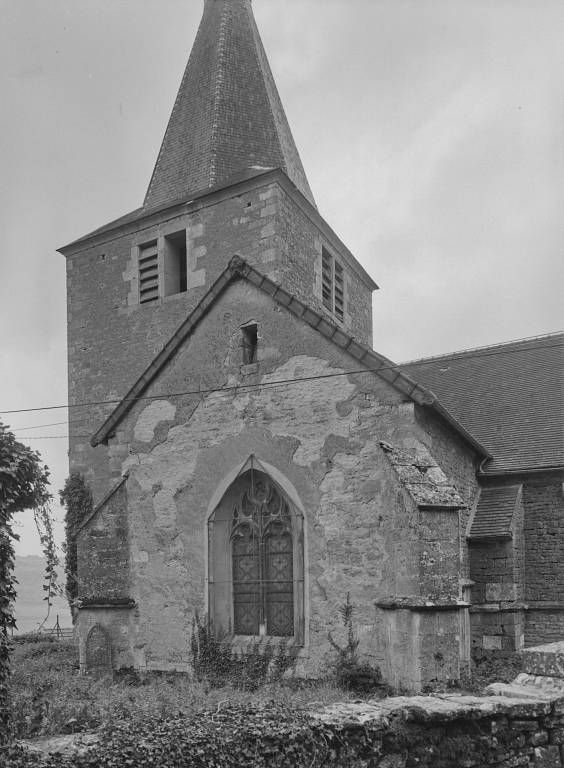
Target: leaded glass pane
(246, 582)
(279, 584)
(262, 554)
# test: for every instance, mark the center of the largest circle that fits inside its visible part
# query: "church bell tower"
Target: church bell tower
(228, 180)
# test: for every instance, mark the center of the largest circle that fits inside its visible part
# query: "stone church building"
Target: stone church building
(253, 459)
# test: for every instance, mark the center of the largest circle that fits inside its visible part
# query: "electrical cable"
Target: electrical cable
(226, 390)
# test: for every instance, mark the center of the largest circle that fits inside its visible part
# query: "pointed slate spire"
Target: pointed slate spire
(227, 117)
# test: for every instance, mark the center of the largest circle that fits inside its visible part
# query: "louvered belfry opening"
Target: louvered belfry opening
(262, 561)
(148, 273)
(332, 284)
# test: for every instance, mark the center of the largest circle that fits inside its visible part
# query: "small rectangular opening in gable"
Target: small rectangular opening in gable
(174, 266)
(249, 343)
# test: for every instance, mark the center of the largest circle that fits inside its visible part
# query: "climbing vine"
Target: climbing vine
(44, 525)
(76, 497)
(23, 485)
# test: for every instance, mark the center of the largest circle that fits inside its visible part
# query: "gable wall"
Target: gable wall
(322, 435)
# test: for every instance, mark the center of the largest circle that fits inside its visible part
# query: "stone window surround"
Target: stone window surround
(195, 278)
(168, 283)
(249, 343)
(301, 602)
(263, 537)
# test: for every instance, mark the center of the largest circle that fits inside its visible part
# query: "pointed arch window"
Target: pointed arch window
(262, 562)
(256, 561)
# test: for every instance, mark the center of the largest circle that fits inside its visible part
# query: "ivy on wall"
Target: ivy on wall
(76, 497)
(23, 485)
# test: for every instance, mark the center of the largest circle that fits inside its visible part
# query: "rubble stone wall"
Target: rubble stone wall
(103, 551)
(544, 555)
(454, 731)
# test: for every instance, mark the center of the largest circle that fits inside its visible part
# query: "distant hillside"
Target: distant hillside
(30, 606)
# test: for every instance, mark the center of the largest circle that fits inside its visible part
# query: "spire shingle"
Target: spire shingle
(227, 118)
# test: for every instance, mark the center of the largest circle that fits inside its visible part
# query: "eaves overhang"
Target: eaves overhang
(524, 471)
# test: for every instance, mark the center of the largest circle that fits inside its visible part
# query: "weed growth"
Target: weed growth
(217, 663)
(351, 673)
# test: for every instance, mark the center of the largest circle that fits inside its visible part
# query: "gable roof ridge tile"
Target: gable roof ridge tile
(218, 83)
(238, 268)
(523, 343)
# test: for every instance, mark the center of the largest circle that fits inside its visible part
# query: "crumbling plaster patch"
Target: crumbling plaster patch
(337, 447)
(165, 509)
(284, 411)
(291, 412)
(150, 417)
(138, 555)
(156, 477)
(313, 402)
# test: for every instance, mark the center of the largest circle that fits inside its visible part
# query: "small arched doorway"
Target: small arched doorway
(255, 540)
(98, 650)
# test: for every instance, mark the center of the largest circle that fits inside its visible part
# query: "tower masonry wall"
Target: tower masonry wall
(112, 338)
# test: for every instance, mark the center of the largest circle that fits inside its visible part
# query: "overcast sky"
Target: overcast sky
(431, 132)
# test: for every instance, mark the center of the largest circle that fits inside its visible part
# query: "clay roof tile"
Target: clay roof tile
(509, 396)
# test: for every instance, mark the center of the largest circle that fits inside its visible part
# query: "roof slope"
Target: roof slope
(509, 396)
(368, 360)
(227, 116)
(494, 513)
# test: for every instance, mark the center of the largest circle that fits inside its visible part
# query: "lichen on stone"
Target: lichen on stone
(422, 477)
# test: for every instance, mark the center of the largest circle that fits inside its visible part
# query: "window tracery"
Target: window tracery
(262, 555)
